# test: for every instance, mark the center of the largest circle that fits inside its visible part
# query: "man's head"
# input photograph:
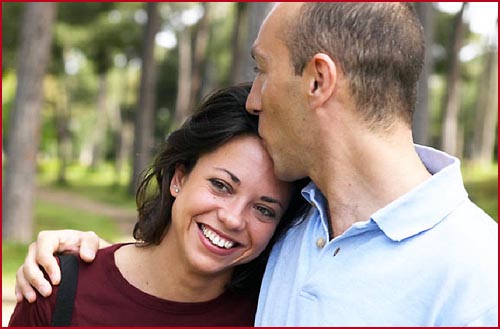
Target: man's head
(379, 46)
(314, 58)
(277, 95)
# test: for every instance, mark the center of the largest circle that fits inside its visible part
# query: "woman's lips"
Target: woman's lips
(215, 241)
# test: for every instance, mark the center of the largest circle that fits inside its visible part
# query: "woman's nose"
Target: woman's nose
(232, 217)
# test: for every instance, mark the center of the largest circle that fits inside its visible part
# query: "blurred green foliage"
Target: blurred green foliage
(482, 185)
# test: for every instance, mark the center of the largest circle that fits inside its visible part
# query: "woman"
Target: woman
(210, 209)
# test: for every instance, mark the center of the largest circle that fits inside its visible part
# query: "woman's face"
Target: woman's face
(227, 207)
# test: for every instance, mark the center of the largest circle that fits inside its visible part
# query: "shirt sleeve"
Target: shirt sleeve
(38, 313)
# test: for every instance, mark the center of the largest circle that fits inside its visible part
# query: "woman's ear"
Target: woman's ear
(177, 180)
(322, 76)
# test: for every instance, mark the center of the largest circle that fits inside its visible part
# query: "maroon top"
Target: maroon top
(105, 298)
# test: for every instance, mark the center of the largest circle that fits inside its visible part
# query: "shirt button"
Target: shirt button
(320, 243)
(336, 252)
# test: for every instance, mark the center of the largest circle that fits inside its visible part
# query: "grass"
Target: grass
(102, 185)
(53, 217)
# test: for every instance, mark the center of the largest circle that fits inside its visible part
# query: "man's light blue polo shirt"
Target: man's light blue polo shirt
(430, 258)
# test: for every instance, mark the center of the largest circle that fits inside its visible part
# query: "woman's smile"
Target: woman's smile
(215, 238)
(215, 243)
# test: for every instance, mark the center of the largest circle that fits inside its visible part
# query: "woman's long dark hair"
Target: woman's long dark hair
(220, 117)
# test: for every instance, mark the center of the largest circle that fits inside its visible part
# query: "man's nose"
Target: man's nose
(253, 104)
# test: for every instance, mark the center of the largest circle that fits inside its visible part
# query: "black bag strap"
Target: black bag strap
(67, 290)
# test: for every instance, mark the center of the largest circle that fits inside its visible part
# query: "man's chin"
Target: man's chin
(285, 174)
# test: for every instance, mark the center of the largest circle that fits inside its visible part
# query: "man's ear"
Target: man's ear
(177, 180)
(322, 76)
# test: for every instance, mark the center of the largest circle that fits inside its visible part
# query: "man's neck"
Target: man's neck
(364, 174)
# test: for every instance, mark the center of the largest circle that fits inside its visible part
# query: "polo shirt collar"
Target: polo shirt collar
(429, 203)
(317, 200)
(416, 211)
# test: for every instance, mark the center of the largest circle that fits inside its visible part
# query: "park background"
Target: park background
(89, 90)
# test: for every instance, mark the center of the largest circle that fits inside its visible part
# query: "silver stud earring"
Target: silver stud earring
(176, 189)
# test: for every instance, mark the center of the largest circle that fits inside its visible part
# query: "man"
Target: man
(392, 238)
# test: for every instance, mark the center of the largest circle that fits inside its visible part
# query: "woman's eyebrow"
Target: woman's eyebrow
(236, 180)
(271, 200)
(233, 176)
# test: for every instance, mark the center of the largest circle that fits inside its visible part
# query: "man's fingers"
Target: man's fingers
(32, 273)
(23, 288)
(48, 243)
(41, 254)
(89, 246)
(18, 293)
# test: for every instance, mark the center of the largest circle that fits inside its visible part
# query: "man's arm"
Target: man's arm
(41, 253)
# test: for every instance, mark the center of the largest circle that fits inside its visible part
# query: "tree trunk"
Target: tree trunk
(123, 128)
(239, 42)
(452, 99)
(184, 77)
(202, 36)
(483, 149)
(144, 122)
(62, 117)
(257, 13)
(249, 16)
(425, 12)
(98, 133)
(19, 189)
(124, 148)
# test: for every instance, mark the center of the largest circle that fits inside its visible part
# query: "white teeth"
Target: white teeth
(216, 239)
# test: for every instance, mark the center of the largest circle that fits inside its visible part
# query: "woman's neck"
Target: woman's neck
(160, 271)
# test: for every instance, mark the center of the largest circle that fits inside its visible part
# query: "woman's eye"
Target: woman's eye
(266, 211)
(219, 185)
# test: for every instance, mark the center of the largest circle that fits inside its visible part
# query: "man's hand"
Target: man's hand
(42, 252)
